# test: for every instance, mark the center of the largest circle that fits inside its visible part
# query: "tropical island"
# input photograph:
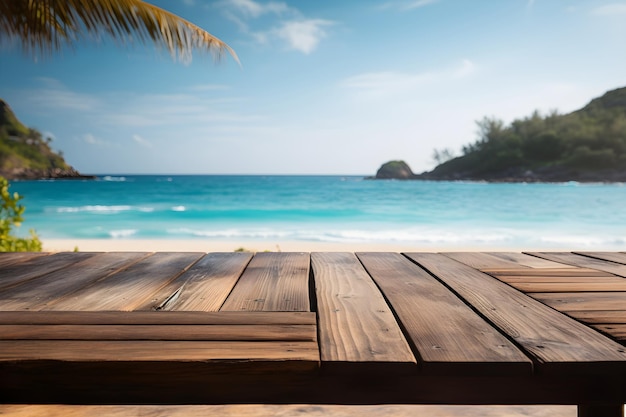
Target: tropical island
(26, 155)
(587, 145)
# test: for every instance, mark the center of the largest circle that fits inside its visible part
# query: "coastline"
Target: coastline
(200, 245)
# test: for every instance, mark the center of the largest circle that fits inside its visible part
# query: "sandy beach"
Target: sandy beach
(201, 245)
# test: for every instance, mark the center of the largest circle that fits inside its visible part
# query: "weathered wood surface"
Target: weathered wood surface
(131, 287)
(463, 328)
(448, 335)
(286, 410)
(557, 342)
(357, 328)
(583, 262)
(523, 259)
(44, 292)
(204, 287)
(18, 272)
(272, 282)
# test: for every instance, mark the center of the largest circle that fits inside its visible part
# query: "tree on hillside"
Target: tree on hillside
(41, 27)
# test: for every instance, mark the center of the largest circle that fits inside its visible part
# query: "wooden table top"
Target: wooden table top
(366, 328)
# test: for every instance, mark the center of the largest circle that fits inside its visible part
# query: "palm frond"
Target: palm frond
(41, 27)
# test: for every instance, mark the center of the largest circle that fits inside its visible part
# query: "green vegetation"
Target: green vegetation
(24, 150)
(11, 217)
(589, 144)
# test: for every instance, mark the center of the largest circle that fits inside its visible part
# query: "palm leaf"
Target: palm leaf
(41, 27)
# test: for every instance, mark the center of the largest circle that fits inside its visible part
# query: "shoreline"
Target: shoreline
(200, 245)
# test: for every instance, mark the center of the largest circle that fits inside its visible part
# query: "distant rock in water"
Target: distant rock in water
(395, 170)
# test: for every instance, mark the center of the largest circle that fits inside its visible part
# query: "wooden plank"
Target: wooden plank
(43, 292)
(617, 331)
(272, 282)
(559, 343)
(583, 262)
(12, 275)
(585, 301)
(448, 336)
(534, 287)
(600, 316)
(568, 284)
(11, 258)
(131, 287)
(284, 410)
(480, 260)
(357, 329)
(161, 317)
(204, 287)
(617, 257)
(609, 279)
(145, 351)
(548, 272)
(243, 332)
(527, 260)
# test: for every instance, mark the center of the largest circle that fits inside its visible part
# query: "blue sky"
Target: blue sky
(324, 87)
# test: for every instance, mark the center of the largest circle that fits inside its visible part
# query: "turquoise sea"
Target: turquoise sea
(328, 209)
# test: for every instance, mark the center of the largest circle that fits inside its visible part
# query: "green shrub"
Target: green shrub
(10, 218)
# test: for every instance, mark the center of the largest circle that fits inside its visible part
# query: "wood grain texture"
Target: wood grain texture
(155, 318)
(617, 331)
(558, 342)
(583, 262)
(11, 258)
(146, 351)
(617, 257)
(229, 332)
(283, 410)
(523, 259)
(479, 260)
(447, 334)
(357, 329)
(566, 284)
(14, 274)
(130, 288)
(599, 316)
(585, 301)
(43, 292)
(547, 272)
(204, 287)
(272, 282)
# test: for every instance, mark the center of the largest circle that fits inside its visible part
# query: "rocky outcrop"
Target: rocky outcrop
(37, 174)
(26, 155)
(394, 170)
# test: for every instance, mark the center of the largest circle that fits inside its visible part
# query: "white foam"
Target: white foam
(116, 234)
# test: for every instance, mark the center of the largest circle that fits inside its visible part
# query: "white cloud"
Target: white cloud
(466, 69)
(419, 3)
(298, 32)
(384, 83)
(208, 87)
(141, 141)
(407, 5)
(54, 94)
(612, 9)
(91, 139)
(303, 35)
(253, 9)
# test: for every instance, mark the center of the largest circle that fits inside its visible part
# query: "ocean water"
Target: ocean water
(329, 209)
